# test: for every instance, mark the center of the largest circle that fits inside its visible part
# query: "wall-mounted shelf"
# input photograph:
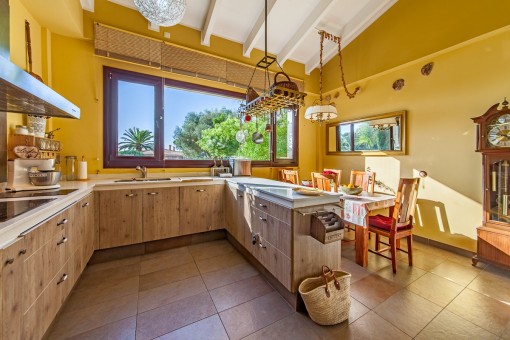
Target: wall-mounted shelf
(48, 148)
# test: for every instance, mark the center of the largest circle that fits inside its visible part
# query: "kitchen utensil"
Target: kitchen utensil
(25, 152)
(240, 135)
(29, 52)
(40, 178)
(257, 137)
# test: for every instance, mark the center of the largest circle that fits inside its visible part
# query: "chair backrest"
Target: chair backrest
(339, 175)
(281, 177)
(363, 179)
(290, 176)
(405, 202)
(323, 182)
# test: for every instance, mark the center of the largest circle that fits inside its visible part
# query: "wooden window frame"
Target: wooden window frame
(110, 124)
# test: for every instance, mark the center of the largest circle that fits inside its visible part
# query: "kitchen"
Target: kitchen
(464, 83)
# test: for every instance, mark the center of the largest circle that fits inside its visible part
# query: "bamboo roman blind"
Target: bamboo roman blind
(117, 44)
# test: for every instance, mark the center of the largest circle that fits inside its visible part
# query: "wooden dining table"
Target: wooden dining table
(356, 209)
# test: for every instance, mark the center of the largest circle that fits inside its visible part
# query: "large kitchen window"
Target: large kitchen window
(160, 122)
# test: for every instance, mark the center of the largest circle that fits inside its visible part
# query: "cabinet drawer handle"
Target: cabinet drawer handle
(85, 205)
(131, 195)
(9, 261)
(22, 252)
(64, 221)
(262, 218)
(152, 193)
(240, 195)
(262, 205)
(62, 279)
(200, 190)
(62, 241)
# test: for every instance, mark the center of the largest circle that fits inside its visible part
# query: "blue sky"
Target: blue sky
(136, 107)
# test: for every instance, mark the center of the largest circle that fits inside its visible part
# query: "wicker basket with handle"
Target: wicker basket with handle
(288, 84)
(326, 297)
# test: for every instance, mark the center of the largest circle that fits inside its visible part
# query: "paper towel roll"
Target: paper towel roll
(82, 170)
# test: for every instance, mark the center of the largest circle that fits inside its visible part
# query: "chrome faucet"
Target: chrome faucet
(143, 170)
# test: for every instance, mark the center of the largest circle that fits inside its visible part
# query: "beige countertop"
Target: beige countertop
(278, 192)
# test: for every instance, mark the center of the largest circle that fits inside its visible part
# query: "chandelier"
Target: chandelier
(162, 12)
(320, 111)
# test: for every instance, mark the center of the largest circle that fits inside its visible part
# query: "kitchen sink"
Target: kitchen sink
(136, 180)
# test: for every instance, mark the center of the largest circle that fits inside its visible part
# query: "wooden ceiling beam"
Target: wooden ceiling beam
(87, 5)
(257, 30)
(210, 19)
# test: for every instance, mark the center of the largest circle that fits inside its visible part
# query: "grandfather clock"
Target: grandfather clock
(493, 142)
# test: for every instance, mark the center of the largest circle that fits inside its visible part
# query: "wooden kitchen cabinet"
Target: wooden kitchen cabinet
(160, 213)
(85, 211)
(120, 218)
(201, 208)
(234, 212)
(12, 289)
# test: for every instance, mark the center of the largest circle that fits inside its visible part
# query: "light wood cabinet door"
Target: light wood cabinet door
(85, 211)
(12, 289)
(201, 208)
(120, 218)
(234, 212)
(160, 213)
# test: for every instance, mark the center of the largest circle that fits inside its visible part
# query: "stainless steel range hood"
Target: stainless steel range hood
(22, 93)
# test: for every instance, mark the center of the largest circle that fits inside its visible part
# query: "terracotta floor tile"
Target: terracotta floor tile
(404, 276)
(168, 318)
(173, 259)
(168, 275)
(424, 260)
(455, 272)
(493, 282)
(408, 312)
(112, 264)
(210, 328)
(373, 290)
(506, 333)
(484, 311)
(357, 272)
(372, 326)
(229, 275)
(207, 250)
(450, 326)
(239, 292)
(294, 326)
(220, 262)
(167, 252)
(107, 276)
(86, 319)
(254, 315)
(436, 289)
(357, 310)
(119, 330)
(156, 297)
(101, 292)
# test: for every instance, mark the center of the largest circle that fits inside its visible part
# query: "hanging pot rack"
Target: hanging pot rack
(274, 97)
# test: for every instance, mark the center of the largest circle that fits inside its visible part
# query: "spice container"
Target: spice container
(70, 168)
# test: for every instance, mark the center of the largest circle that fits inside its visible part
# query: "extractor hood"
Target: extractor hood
(22, 93)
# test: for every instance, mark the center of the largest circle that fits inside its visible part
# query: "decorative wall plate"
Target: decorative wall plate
(25, 152)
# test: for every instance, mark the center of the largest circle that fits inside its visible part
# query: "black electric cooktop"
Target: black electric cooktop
(11, 209)
(36, 193)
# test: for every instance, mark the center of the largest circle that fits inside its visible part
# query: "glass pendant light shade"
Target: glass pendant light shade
(320, 113)
(162, 12)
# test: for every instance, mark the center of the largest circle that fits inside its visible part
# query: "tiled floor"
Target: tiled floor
(209, 291)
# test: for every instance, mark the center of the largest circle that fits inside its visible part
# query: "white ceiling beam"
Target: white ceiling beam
(358, 24)
(257, 29)
(210, 19)
(87, 5)
(306, 27)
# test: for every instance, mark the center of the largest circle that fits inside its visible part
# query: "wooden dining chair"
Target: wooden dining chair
(339, 175)
(364, 179)
(280, 176)
(323, 182)
(399, 225)
(290, 176)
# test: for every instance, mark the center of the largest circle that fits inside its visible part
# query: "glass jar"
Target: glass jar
(70, 168)
(21, 130)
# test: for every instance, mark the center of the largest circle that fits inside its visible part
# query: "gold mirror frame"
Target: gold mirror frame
(401, 115)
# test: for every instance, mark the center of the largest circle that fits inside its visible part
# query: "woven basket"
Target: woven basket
(288, 84)
(326, 297)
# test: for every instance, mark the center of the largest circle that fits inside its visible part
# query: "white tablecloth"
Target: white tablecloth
(356, 208)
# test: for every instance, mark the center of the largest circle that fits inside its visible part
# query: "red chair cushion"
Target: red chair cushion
(384, 222)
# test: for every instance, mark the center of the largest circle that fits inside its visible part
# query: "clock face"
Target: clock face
(499, 135)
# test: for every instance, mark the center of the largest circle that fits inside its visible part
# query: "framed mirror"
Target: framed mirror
(375, 135)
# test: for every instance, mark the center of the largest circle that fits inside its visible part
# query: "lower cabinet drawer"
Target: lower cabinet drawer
(40, 315)
(274, 231)
(276, 263)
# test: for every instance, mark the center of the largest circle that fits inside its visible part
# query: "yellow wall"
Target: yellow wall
(466, 80)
